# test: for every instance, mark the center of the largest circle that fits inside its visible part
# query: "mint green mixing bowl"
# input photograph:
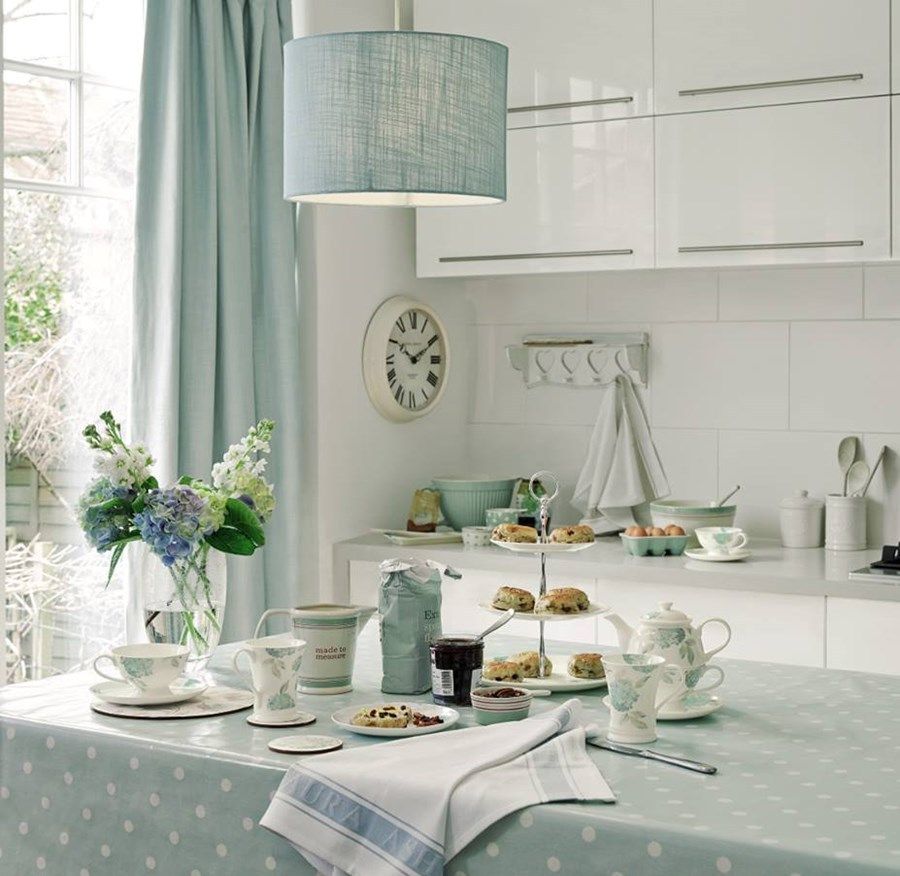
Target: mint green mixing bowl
(464, 500)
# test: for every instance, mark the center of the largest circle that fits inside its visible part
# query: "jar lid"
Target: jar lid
(666, 615)
(801, 500)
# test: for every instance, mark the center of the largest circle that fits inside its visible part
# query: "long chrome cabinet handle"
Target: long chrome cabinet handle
(781, 83)
(741, 247)
(569, 104)
(537, 255)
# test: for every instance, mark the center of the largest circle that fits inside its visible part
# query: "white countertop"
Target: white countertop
(770, 569)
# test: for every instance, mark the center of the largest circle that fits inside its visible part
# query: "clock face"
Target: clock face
(415, 361)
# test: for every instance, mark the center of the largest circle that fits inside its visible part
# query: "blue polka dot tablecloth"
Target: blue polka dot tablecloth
(808, 783)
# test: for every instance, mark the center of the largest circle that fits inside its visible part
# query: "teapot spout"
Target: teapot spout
(623, 630)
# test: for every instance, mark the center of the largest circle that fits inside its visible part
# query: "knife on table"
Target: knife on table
(649, 753)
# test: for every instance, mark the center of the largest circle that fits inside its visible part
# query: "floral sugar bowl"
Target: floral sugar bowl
(668, 632)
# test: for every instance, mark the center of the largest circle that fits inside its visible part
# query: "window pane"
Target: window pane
(110, 134)
(113, 33)
(37, 31)
(36, 127)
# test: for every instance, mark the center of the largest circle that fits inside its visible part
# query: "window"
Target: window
(70, 77)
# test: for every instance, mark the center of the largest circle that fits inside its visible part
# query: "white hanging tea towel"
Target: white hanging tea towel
(407, 807)
(622, 468)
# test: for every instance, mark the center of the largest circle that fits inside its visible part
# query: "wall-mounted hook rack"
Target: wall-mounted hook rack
(581, 361)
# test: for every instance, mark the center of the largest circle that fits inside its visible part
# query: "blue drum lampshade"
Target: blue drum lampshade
(395, 118)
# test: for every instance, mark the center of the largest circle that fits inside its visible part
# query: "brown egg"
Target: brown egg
(656, 530)
(674, 529)
(636, 531)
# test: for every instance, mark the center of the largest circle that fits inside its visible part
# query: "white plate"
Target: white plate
(593, 609)
(343, 717)
(402, 537)
(558, 680)
(518, 547)
(706, 556)
(706, 706)
(121, 693)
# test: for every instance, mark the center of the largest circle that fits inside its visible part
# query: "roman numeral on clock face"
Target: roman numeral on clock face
(435, 360)
(398, 394)
(413, 319)
(400, 324)
(432, 378)
(391, 376)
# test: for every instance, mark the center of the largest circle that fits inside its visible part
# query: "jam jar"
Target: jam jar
(456, 663)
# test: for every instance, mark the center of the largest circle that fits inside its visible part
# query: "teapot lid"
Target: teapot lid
(667, 615)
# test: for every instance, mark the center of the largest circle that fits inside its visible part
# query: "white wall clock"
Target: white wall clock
(406, 359)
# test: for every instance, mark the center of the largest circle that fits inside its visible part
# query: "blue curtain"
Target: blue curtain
(215, 313)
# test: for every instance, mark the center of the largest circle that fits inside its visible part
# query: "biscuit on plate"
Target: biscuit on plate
(513, 597)
(502, 670)
(514, 533)
(563, 600)
(587, 665)
(579, 534)
(529, 661)
(383, 716)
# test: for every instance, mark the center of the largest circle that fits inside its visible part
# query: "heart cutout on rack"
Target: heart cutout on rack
(597, 361)
(544, 360)
(571, 359)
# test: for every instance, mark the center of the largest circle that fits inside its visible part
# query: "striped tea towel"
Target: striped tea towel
(410, 805)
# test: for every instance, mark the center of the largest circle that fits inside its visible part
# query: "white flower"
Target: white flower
(124, 466)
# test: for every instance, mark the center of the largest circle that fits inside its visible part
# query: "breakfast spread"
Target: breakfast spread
(562, 600)
(502, 670)
(393, 716)
(586, 665)
(513, 532)
(513, 597)
(579, 534)
(529, 663)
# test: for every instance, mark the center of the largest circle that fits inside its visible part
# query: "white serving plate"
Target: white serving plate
(705, 706)
(343, 718)
(121, 693)
(538, 548)
(593, 609)
(404, 538)
(558, 680)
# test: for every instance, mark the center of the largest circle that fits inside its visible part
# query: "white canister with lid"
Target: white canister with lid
(801, 521)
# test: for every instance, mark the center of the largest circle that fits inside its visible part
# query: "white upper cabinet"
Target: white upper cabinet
(713, 54)
(795, 183)
(580, 198)
(569, 60)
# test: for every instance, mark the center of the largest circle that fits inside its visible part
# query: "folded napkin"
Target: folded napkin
(410, 805)
(623, 468)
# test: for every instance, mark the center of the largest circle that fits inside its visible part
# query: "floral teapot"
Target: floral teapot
(668, 633)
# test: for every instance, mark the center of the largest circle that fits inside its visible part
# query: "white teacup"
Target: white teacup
(721, 539)
(687, 683)
(150, 668)
(633, 680)
(274, 670)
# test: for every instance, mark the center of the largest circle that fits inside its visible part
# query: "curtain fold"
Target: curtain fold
(216, 335)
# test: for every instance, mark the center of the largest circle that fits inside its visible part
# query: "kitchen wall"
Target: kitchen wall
(755, 375)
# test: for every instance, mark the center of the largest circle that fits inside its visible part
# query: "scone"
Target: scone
(502, 670)
(514, 532)
(562, 600)
(513, 597)
(528, 663)
(579, 534)
(587, 665)
(383, 716)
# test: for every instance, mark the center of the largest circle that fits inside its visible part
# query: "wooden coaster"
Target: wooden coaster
(301, 720)
(305, 744)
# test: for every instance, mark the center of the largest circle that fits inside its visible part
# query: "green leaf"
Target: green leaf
(117, 551)
(186, 480)
(244, 519)
(231, 541)
(139, 504)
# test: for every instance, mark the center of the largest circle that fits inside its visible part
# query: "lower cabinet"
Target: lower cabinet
(862, 635)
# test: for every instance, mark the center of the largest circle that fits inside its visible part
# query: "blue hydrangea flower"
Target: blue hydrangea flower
(171, 522)
(101, 526)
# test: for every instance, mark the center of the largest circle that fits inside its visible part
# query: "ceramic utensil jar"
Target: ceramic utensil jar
(801, 521)
(845, 523)
(274, 670)
(633, 681)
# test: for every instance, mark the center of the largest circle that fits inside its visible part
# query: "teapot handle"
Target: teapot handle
(714, 620)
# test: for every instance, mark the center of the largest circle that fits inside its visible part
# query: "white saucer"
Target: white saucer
(706, 556)
(305, 744)
(121, 693)
(301, 720)
(547, 547)
(344, 719)
(705, 704)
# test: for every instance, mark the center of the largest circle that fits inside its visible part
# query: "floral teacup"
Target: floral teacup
(633, 680)
(274, 670)
(150, 668)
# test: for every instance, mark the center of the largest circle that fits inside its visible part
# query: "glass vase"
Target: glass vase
(184, 603)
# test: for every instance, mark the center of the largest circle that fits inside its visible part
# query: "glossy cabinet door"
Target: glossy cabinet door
(713, 54)
(580, 198)
(595, 54)
(794, 183)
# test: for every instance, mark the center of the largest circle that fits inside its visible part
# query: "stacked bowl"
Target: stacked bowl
(493, 709)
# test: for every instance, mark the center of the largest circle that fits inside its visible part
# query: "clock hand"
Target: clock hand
(424, 350)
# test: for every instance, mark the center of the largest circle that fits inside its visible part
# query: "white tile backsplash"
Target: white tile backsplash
(755, 376)
(720, 375)
(843, 374)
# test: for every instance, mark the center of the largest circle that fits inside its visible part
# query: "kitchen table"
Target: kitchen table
(808, 783)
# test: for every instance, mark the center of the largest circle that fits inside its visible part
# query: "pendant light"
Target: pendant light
(395, 118)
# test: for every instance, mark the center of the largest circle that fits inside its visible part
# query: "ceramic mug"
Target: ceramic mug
(274, 671)
(150, 668)
(686, 684)
(496, 516)
(721, 539)
(633, 681)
